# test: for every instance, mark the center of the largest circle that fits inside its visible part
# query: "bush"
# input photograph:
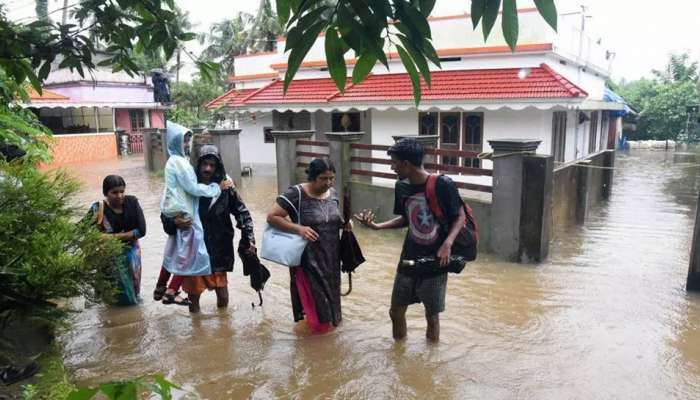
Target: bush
(46, 250)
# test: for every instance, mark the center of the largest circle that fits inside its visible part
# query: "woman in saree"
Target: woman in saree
(120, 216)
(315, 284)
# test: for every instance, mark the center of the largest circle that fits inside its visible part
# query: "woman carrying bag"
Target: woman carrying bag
(315, 283)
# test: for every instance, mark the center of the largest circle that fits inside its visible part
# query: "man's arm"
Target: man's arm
(445, 250)
(244, 221)
(168, 224)
(171, 225)
(453, 206)
(367, 217)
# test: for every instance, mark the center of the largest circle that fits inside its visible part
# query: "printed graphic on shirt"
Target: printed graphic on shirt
(423, 227)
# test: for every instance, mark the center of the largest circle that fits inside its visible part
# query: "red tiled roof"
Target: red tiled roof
(486, 84)
(45, 95)
(541, 83)
(300, 91)
(231, 98)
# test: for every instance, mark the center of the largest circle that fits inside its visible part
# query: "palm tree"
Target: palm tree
(41, 8)
(227, 40)
(266, 28)
(242, 35)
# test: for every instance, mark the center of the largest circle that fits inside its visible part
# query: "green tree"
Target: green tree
(227, 40)
(266, 28)
(663, 102)
(665, 115)
(27, 51)
(190, 99)
(42, 9)
(678, 69)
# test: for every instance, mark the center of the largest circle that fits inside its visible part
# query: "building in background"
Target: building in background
(552, 88)
(84, 113)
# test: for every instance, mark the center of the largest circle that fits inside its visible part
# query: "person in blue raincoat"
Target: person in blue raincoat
(185, 252)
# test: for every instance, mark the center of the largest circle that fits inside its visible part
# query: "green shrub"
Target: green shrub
(47, 251)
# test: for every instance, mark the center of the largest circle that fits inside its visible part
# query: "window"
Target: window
(137, 120)
(427, 123)
(267, 135)
(559, 136)
(592, 132)
(449, 128)
(345, 122)
(604, 131)
(449, 136)
(473, 128)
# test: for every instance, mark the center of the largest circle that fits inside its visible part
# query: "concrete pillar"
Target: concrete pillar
(200, 137)
(155, 149)
(339, 152)
(609, 162)
(693, 282)
(227, 141)
(536, 207)
(286, 152)
(508, 155)
(429, 142)
(582, 198)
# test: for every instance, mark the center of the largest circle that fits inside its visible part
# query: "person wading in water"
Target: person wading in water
(424, 238)
(215, 214)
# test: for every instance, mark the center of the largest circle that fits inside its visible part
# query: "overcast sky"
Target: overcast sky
(641, 32)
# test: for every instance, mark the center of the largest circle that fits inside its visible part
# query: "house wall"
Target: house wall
(122, 119)
(157, 119)
(75, 148)
(577, 188)
(571, 136)
(104, 93)
(254, 150)
(590, 81)
(501, 124)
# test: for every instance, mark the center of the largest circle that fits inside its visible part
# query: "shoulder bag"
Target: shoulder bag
(282, 247)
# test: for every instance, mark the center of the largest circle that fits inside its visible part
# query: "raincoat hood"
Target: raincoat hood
(175, 138)
(209, 150)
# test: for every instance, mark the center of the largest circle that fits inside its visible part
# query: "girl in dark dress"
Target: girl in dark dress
(121, 216)
(315, 284)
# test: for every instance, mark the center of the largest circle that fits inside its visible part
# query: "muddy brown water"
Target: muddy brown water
(607, 316)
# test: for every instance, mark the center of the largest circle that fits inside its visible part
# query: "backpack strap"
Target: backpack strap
(431, 196)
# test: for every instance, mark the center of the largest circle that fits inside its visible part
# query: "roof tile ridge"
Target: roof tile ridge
(226, 93)
(351, 85)
(243, 100)
(570, 87)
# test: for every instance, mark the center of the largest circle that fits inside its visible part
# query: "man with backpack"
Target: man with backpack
(432, 235)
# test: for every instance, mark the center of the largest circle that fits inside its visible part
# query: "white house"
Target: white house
(551, 89)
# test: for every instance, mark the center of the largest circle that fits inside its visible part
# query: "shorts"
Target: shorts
(198, 284)
(415, 289)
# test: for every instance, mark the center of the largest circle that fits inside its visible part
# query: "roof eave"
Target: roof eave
(464, 105)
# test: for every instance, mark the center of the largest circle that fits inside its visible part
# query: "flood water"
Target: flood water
(606, 317)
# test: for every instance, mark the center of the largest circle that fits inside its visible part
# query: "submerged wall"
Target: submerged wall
(74, 148)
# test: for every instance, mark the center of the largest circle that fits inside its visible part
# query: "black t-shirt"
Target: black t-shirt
(116, 220)
(425, 234)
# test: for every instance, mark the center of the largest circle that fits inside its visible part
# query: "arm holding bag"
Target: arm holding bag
(282, 247)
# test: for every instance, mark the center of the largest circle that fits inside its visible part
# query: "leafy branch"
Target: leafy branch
(366, 26)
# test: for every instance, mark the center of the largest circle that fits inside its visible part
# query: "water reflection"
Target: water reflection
(605, 317)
